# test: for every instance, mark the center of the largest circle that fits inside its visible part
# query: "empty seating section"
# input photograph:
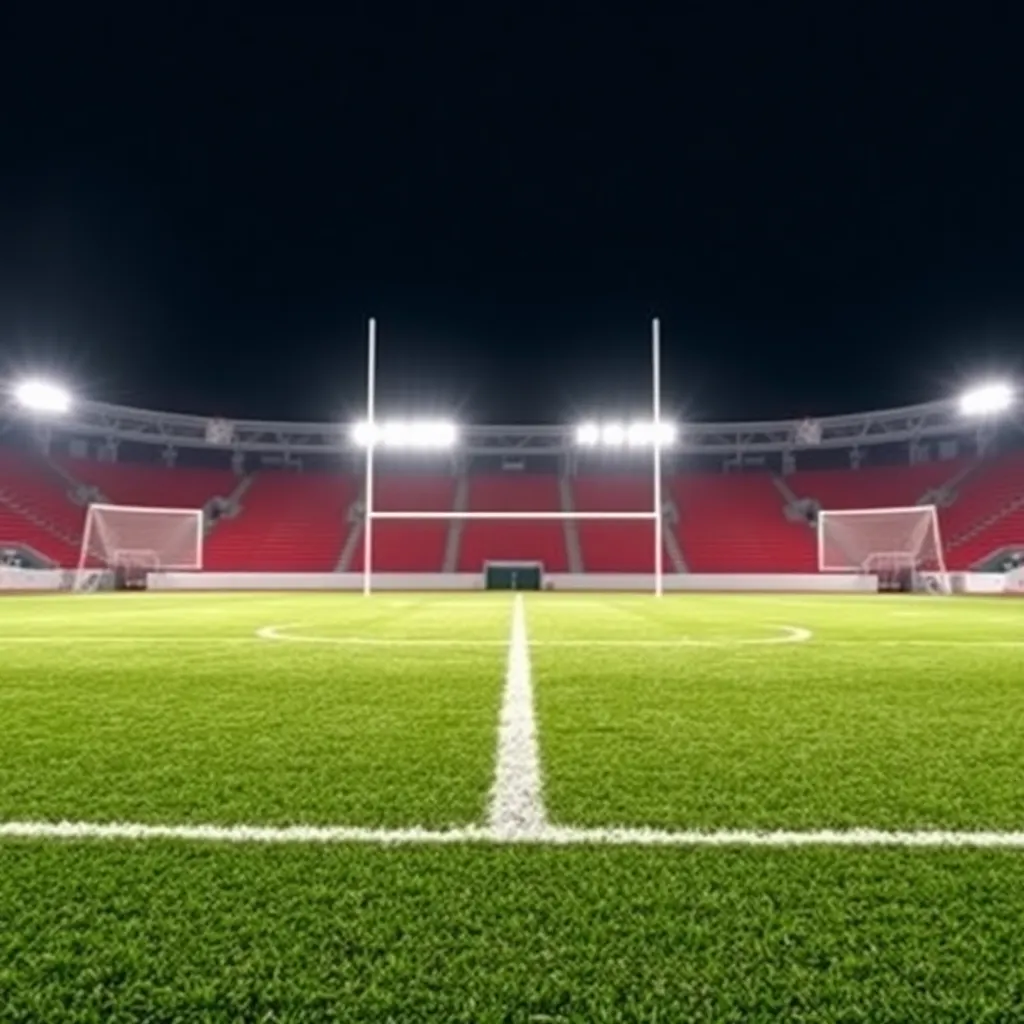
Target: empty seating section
(513, 540)
(736, 523)
(609, 545)
(290, 522)
(409, 545)
(872, 487)
(132, 483)
(985, 515)
(36, 509)
(298, 522)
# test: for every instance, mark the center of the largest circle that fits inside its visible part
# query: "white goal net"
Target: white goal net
(132, 541)
(901, 546)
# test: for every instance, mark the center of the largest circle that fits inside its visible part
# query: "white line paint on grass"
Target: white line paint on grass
(544, 835)
(787, 635)
(517, 802)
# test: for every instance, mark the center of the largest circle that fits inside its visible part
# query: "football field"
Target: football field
(489, 808)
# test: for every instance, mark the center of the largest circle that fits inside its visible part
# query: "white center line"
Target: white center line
(517, 801)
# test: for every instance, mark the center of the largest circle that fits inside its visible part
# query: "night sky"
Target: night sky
(826, 210)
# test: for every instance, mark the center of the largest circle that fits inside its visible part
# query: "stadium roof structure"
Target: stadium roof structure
(118, 423)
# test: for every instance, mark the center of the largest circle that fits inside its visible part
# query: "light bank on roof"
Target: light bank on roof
(51, 411)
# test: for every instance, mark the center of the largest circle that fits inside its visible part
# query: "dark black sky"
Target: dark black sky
(824, 203)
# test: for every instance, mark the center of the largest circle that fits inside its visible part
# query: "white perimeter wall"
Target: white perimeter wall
(474, 581)
(31, 579)
(41, 580)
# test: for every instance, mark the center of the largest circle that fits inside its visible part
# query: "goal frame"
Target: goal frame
(372, 514)
(911, 560)
(111, 562)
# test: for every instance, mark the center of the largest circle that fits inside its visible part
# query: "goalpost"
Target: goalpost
(901, 546)
(653, 515)
(133, 541)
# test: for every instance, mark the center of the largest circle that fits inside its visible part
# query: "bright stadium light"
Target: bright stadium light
(406, 435)
(987, 399)
(43, 396)
(638, 434)
(613, 435)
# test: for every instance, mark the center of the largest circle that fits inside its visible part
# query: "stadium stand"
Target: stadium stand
(409, 545)
(736, 523)
(872, 486)
(133, 483)
(36, 509)
(289, 522)
(615, 546)
(988, 513)
(508, 541)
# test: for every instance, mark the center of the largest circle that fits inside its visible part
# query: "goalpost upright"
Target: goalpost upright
(657, 448)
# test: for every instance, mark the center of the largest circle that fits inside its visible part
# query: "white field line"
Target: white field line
(788, 635)
(545, 835)
(792, 635)
(517, 801)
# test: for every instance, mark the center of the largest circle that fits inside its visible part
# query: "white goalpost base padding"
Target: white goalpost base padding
(139, 540)
(900, 546)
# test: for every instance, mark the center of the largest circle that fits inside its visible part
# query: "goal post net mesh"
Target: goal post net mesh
(889, 543)
(142, 539)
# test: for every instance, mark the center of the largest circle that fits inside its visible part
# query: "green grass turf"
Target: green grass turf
(168, 709)
(864, 725)
(162, 932)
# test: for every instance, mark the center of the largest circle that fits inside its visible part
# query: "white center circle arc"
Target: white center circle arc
(786, 635)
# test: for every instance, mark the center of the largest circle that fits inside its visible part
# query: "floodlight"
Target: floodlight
(668, 433)
(613, 435)
(43, 396)
(987, 399)
(638, 434)
(406, 435)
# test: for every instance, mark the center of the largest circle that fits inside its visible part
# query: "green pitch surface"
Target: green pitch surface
(697, 713)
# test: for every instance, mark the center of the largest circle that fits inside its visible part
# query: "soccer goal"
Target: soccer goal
(121, 544)
(901, 546)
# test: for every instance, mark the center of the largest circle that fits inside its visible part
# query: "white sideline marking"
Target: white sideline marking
(517, 802)
(545, 835)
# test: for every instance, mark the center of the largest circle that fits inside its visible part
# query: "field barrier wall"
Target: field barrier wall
(52, 580)
(675, 582)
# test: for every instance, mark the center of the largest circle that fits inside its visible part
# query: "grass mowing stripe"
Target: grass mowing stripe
(517, 804)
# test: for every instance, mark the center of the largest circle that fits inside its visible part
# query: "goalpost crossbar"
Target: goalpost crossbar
(653, 515)
(644, 516)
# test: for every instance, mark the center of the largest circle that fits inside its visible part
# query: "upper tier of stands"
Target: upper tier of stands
(301, 521)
